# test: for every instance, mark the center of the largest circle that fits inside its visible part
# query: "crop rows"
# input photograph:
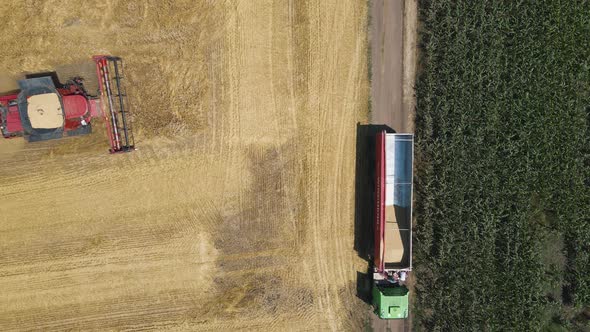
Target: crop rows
(502, 145)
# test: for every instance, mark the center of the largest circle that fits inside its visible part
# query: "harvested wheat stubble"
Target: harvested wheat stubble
(235, 212)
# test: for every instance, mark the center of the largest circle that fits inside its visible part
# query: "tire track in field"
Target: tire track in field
(315, 125)
(270, 165)
(255, 207)
(355, 94)
(280, 127)
(332, 196)
(310, 151)
(322, 250)
(285, 123)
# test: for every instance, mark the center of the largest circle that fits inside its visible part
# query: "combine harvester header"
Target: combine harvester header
(393, 224)
(45, 109)
(109, 70)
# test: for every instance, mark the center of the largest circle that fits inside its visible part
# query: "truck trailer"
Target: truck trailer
(392, 260)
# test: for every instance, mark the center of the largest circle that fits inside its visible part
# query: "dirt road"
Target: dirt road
(237, 210)
(393, 61)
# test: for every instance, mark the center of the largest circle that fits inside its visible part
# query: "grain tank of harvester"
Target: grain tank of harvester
(393, 224)
(44, 108)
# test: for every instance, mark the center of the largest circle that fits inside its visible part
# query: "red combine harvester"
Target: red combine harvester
(46, 109)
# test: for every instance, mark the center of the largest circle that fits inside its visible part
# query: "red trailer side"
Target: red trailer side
(379, 202)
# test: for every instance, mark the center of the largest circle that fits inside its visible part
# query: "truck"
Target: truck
(392, 260)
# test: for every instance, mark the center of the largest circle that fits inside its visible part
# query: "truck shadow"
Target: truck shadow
(364, 214)
(364, 285)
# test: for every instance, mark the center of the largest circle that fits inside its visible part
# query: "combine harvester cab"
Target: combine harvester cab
(45, 109)
(393, 224)
(46, 112)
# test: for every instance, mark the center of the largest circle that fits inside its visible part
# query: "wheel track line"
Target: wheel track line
(278, 126)
(312, 203)
(337, 183)
(351, 102)
(335, 245)
(332, 59)
(325, 299)
(235, 106)
(290, 66)
(276, 319)
(291, 81)
(227, 151)
(306, 146)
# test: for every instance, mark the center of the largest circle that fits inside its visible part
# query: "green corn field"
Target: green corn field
(503, 166)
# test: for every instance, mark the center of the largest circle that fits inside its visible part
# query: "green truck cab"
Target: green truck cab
(391, 302)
